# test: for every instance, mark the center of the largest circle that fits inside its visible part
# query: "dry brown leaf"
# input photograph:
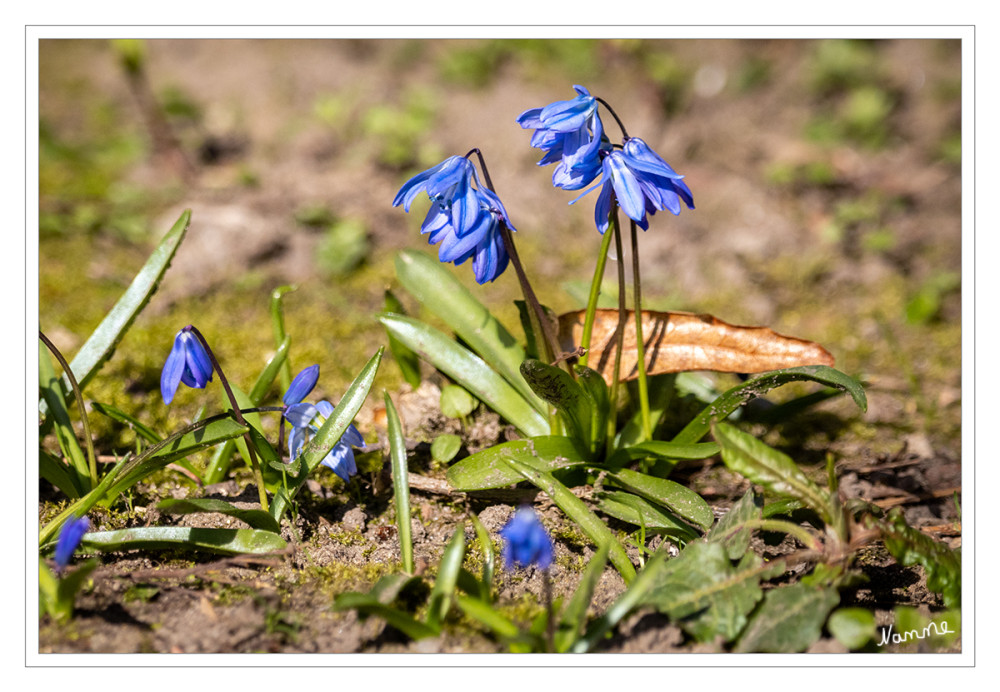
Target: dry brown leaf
(683, 341)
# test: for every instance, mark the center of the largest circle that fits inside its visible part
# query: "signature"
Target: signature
(935, 628)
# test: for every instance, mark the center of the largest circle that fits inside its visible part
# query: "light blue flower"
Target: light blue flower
(642, 182)
(306, 420)
(301, 386)
(462, 235)
(525, 541)
(188, 362)
(69, 539)
(571, 133)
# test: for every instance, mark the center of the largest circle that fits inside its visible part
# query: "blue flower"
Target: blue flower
(525, 541)
(642, 182)
(450, 185)
(301, 386)
(306, 420)
(69, 539)
(188, 362)
(571, 133)
(472, 232)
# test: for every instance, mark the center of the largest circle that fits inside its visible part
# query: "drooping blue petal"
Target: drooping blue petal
(173, 369)
(325, 409)
(341, 461)
(300, 387)
(69, 539)
(352, 436)
(301, 415)
(525, 541)
(197, 365)
(603, 208)
(296, 439)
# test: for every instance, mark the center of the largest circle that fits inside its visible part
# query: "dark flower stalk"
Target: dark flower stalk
(192, 361)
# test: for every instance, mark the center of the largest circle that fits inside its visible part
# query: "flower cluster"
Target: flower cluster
(525, 541)
(188, 362)
(464, 217)
(306, 419)
(571, 133)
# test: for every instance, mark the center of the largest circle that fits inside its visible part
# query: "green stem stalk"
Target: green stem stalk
(619, 334)
(595, 293)
(91, 457)
(640, 345)
(258, 475)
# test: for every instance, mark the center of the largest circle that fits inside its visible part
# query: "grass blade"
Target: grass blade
(221, 541)
(400, 483)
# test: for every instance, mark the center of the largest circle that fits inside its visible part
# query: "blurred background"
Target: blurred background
(826, 175)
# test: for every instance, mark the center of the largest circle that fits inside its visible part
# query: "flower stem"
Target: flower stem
(238, 414)
(91, 457)
(619, 333)
(611, 110)
(595, 292)
(640, 345)
(544, 333)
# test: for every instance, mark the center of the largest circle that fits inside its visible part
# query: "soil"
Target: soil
(768, 244)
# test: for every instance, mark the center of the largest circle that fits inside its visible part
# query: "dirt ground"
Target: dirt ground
(826, 208)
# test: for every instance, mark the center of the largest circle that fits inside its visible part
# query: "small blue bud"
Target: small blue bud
(69, 539)
(525, 541)
(188, 362)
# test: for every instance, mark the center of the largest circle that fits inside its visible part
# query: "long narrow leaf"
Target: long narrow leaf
(400, 483)
(102, 343)
(53, 395)
(758, 386)
(761, 464)
(444, 585)
(223, 541)
(488, 469)
(447, 298)
(574, 617)
(685, 502)
(469, 370)
(255, 518)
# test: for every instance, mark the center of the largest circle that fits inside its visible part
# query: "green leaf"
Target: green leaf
(142, 430)
(102, 343)
(218, 466)
(456, 402)
(574, 617)
(464, 367)
(444, 586)
(441, 293)
(278, 329)
(761, 464)
(58, 474)
(445, 447)
(255, 518)
(489, 557)
(912, 547)
(600, 403)
(557, 387)
(638, 511)
(789, 620)
(406, 359)
(367, 604)
(852, 627)
(400, 483)
(53, 395)
(685, 502)
(487, 615)
(194, 438)
(591, 525)
(626, 603)
(221, 541)
(706, 595)
(736, 542)
(721, 408)
(487, 469)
